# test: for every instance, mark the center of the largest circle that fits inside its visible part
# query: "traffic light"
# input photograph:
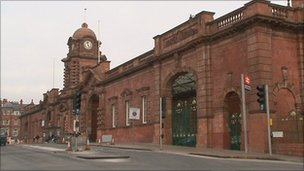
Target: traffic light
(77, 102)
(163, 107)
(261, 97)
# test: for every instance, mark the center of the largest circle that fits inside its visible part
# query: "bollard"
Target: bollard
(69, 147)
(87, 146)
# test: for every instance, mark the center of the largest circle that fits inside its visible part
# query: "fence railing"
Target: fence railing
(279, 11)
(251, 9)
(230, 18)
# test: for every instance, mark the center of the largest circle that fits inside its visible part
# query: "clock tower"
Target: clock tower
(83, 54)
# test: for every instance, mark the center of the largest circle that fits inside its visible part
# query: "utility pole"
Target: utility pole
(268, 119)
(263, 99)
(244, 112)
(160, 125)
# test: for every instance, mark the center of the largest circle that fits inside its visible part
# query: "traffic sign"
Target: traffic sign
(134, 113)
(247, 80)
(247, 83)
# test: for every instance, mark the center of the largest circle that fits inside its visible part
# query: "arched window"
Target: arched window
(184, 84)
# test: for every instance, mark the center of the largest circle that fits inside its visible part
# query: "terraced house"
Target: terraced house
(192, 75)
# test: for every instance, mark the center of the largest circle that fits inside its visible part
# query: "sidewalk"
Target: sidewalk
(219, 153)
(209, 152)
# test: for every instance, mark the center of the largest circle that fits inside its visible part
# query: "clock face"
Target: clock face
(87, 44)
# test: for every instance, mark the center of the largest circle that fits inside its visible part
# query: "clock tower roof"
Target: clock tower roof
(84, 31)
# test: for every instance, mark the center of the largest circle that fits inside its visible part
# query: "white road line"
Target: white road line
(45, 148)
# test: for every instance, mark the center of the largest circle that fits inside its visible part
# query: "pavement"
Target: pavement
(210, 152)
(200, 151)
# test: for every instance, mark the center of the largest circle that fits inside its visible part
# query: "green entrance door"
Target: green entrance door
(233, 118)
(235, 131)
(184, 122)
(92, 129)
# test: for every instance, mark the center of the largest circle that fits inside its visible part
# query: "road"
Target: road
(25, 157)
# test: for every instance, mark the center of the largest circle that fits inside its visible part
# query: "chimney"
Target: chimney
(297, 3)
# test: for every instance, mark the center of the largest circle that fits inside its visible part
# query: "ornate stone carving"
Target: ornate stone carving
(285, 81)
(143, 89)
(126, 93)
(179, 36)
(177, 58)
(113, 99)
(284, 70)
(229, 79)
(63, 107)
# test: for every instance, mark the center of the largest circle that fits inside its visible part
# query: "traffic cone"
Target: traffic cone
(87, 146)
(69, 147)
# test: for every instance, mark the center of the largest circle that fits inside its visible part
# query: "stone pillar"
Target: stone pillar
(157, 95)
(301, 67)
(259, 54)
(204, 98)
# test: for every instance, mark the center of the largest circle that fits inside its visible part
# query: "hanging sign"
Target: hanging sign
(134, 113)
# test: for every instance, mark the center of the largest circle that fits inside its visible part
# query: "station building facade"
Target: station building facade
(195, 68)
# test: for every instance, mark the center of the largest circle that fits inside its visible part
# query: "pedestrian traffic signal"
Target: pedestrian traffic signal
(76, 126)
(261, 97)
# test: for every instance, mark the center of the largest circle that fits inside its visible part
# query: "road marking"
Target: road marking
(45, 148)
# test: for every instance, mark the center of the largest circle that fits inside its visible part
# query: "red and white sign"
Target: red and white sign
(247, 80)
(247, 83)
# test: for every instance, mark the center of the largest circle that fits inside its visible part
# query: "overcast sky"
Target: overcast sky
(34, 35)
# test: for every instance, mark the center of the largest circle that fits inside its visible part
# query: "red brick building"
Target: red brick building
(9, 119)
(196, 69)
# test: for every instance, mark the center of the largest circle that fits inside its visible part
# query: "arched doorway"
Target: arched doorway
(288, 120)
(92, 127)
(184, 116)
(233, 120)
